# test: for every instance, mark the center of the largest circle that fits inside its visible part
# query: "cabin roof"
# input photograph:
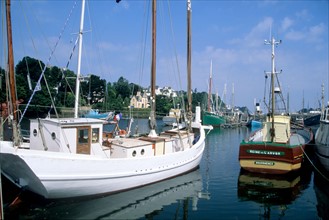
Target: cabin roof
(70, 121)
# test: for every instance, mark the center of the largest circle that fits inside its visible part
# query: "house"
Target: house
(142, 100)
(139, 101)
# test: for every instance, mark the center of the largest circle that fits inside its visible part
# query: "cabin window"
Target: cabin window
(83, 135)
(53, 135)
(142, 152)
(95, 135)
(134, 153)
(35, 132)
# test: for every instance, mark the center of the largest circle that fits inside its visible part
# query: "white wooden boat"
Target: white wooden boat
(322, 138)
(72, 157)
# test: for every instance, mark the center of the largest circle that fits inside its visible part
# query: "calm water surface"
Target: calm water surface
(217, 189)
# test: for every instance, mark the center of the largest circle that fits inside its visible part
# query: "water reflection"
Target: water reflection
(321, 190)
(183, 190)
(272, 191)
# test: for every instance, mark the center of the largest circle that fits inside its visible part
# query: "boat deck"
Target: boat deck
(295, 139)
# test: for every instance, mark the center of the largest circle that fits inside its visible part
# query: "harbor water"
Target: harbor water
(218, 189)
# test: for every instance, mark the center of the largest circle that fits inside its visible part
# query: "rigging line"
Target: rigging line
(265, 91)
(281, 95)
(48, 44)
(144, 39)
(39, 62)
(176, 56)
(174, 45)
(63, 77)
(311, 162)
(45, 67)
(99, 51)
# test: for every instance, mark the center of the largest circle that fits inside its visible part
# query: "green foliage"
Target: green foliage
(94, 91)
(122, 87)
(2, 86)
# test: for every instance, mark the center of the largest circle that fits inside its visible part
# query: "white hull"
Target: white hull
(61, 174)
(322, 143)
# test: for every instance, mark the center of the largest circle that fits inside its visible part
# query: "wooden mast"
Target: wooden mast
(11, 69)
(189, 81)
(153, 72)
(210, 88)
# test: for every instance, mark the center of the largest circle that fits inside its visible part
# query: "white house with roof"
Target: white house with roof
(141, 100)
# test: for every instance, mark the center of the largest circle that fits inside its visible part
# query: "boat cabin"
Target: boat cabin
(281, 129)
(77, 136)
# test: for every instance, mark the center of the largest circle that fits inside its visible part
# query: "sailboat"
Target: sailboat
(212, 116)
(322, 135)
(70, 157)
(276, 148)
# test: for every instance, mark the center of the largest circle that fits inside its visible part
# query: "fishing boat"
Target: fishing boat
(73, 157)
(322, 136)
(256, 121)
(276, 148)
(212, 116)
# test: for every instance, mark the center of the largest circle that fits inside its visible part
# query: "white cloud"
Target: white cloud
(295, 35)
(316, 31)
(253, 38)
(286, 23)
(304, 14)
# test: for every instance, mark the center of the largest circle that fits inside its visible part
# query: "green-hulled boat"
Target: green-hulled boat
(212, 118)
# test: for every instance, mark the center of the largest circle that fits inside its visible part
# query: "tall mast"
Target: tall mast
(153, 72)
(77, 88)
(273, 43)
(210, 87)
(189, 81)
(12, 81)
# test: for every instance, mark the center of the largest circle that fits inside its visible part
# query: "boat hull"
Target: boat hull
(213, 119)
(61, 175)
(270, 158)
(322, 144)
(97, 115)
(273, 158)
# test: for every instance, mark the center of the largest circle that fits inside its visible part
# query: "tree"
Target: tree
(2, 86)
(122, 87)
(163, 104)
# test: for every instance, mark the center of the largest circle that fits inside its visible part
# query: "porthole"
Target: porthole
(53, 135)
(142, 152)
(134, 153)
(35, 132)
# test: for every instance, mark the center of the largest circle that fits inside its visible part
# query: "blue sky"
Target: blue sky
(116, 43)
